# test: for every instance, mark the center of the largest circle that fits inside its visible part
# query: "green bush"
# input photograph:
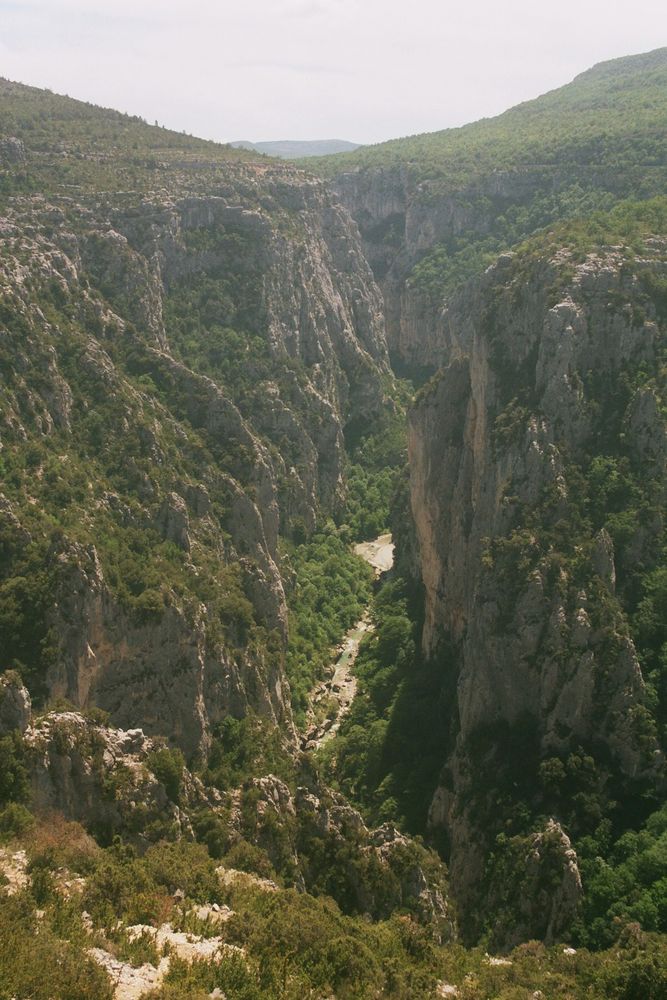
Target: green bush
(35, 962)
(13, 773)
(167, 765)
(15, 821)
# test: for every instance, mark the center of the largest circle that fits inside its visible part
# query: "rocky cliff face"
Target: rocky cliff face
(371, 871)
(434, 209)
(403, 220)
(538, 482)
(181, 366)
(119, 782)
(400, 222)
(102, 778)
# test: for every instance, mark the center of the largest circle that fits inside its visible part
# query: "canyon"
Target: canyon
(208, 362)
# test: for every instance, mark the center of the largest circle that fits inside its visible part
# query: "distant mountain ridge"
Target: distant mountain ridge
(289, 149)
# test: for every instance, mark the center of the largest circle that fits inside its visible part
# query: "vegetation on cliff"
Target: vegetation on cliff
(435, 209)
(331, 591)
(253, 942)
(389, 750)
(197, 421)
(185, 337)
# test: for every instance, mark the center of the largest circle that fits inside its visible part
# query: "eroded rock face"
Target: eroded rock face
(108, 779)
(554, 884)
(12, 150)
(537, 890)
(215, 450)
(15, 704)
(389, 871)
(516, 583)
(163, 671)
(100, 777)
(403, 216)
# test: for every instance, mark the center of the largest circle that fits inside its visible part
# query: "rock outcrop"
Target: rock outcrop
(370, 871)
(525, 591)
(433, 208)
(12, 151)
(15, 704)
(116, 781)
(102, 778)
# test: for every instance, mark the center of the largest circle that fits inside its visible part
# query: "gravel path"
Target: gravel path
(338, 690)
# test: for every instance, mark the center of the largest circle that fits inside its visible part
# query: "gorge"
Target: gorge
(228, 384)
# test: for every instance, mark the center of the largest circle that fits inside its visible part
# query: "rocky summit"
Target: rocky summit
(333, 567)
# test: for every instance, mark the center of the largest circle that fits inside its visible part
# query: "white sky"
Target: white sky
(364, 70)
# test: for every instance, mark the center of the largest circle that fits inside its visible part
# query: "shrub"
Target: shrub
(167, 765)
(13, 774)
(36, 963)
(15, 821)
(248, 858)
(185, 866)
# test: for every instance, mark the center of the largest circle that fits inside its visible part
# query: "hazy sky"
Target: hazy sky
(364, 70)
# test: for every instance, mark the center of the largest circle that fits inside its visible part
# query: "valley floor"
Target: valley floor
(332, 698)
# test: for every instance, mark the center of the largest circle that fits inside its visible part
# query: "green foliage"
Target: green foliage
(613, 112)
(135, 949)
(101, 482)
(650, 622)
(245, 857)
(246, 748)
(376, 462)
(63, 138)
(211, 830)
(13, 773)
(569, 154)
(36, 962)
(331, 593)
(185, 866)
(389, 749)
(26, 590)
(231, 974)
(139, 890)
(368, 497)
(640, 975)
(15, 821)
(167, 765)
(625, 883)
(295, 944)
(120, 888)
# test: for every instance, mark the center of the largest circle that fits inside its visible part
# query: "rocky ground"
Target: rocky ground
(379, 553)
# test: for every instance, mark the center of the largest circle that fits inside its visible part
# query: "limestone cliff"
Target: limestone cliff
(538, 485)
(180, 360)
(435, 208)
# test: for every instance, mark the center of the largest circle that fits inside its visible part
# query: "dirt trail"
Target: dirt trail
(331, 698)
